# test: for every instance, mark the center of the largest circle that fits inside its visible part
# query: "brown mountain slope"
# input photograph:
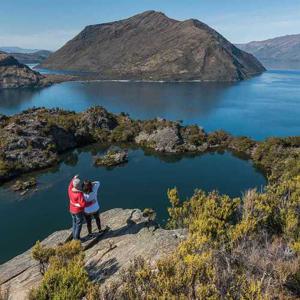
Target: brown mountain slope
(151, 46)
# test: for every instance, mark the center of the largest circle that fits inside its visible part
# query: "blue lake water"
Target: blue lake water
(141, 183)
(267, 105)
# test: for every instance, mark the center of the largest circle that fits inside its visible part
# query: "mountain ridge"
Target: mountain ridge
(31, 58)
(151, 46)
(281, 52)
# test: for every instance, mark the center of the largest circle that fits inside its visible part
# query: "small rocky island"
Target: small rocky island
(112, 158)
(23, 186)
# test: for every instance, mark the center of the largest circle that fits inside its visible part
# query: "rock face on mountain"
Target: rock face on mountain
(130, 235)
(279, 52)
(14, 74)
(151, 46)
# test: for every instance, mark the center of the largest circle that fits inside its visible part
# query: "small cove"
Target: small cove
(141, 183)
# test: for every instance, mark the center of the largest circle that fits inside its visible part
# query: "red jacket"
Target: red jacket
(77, 202)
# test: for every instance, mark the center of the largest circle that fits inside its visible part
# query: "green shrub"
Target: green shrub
(65, 277)
(218, 138)
(42, 254)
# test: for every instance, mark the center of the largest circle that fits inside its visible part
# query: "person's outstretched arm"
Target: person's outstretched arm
(96, 185)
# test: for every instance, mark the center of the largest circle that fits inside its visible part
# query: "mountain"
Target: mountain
(17, 50)
(151, 46)
(32, 58)
(279, 52)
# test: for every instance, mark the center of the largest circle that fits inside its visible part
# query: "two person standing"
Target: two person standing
(83, 205)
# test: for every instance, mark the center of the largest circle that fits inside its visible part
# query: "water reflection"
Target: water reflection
(185, 100)
(267, 105)
(14, 99)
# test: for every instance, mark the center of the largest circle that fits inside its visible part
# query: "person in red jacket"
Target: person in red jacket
(77, 205)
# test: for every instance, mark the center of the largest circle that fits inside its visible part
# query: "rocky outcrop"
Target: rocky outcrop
(131, 235)
(23, 186)
(13, 74)
(151, 46)
(35, 138)
(112, 158)
(162, 140)
(16, 75)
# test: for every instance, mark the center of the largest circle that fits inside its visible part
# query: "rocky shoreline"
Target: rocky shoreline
(36, 138)
(14, 74)
(105, 258)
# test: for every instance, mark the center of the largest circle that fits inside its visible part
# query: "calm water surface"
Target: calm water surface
(264, 106)
(141, 183)
(267, 105)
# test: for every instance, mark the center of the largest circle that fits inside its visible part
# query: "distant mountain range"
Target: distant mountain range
(32, 58)
(151, 46)
(26, 56)
(281, 52)
(17, 50)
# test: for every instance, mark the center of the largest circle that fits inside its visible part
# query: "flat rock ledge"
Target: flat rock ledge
(130, 235)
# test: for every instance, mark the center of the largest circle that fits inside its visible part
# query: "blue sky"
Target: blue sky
(48, 24)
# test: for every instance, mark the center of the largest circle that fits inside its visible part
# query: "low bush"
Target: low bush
(65, 277)
(244, 248)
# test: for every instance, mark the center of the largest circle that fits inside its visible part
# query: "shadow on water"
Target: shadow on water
(15, 98)
(142, 100)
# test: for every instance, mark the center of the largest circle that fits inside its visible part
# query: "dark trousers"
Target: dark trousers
(77, 225)
(88, 218)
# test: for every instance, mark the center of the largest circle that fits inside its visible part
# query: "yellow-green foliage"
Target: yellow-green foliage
(42, 254)
(236, 248)
(64, 119)
(4, 167)
(208, 215)
(219, 137)
(65, 277)
(123, 134)
(280, 157)
(194, 135)
(242, 144)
